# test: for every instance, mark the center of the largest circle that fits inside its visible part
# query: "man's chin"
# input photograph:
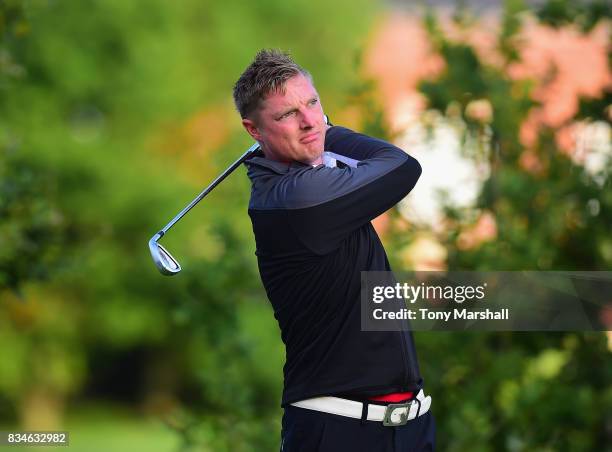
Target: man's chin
(314, 158)
(317, 150)
(318, 161)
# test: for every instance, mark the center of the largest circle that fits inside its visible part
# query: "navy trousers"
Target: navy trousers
(306, 430)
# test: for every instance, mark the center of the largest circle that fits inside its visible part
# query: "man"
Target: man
(311, 213)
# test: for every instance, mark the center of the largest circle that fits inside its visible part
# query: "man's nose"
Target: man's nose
(309, 119)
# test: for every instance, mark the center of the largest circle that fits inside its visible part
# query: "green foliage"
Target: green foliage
(511, 25)
(468, 72)
(520, 391)
(96, 101)
(554, 219)
(584, 13)
(31, 243)
(466, 79)
(361, 95)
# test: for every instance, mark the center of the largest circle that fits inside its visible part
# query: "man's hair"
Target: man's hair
(268, 73)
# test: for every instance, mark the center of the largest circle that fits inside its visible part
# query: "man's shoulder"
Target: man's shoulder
(335, 133)
(300, 187)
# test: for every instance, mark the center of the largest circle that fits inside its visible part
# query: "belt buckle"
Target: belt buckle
(387, 421)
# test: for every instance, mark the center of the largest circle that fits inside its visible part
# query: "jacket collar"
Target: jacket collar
(258, 164)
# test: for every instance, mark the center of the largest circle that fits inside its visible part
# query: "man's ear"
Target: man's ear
(251, 129)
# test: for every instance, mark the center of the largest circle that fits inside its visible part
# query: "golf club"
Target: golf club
(164, 261)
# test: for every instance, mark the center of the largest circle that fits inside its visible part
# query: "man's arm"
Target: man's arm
(358, 146)
(327, 204)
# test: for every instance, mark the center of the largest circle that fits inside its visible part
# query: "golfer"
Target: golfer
(315, 190)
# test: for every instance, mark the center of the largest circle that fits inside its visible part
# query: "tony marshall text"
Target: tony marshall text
(427, 314)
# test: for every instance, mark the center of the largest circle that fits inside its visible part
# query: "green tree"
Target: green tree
(519, 391)
(113, 115)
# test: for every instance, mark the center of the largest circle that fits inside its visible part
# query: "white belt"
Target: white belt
(391, 415)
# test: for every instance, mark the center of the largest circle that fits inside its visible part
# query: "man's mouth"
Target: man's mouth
(310, 138)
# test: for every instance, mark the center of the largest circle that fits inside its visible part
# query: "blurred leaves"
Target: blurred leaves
(519, 391)
(31, 243)
(106, 110)
(584, 13)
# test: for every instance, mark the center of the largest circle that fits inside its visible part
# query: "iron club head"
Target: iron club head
(164, 261)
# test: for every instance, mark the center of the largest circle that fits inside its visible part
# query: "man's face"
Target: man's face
(290, 126)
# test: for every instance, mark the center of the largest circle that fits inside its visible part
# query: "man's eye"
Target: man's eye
(314, 101)
(286, 115)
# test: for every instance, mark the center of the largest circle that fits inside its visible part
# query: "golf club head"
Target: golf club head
(166, 264)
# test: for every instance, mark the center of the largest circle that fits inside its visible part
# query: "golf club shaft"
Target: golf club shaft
(208, 189)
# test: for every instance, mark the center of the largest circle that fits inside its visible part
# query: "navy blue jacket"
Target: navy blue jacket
(313, 237)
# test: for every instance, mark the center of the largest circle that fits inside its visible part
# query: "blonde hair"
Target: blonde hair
(268, 73)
